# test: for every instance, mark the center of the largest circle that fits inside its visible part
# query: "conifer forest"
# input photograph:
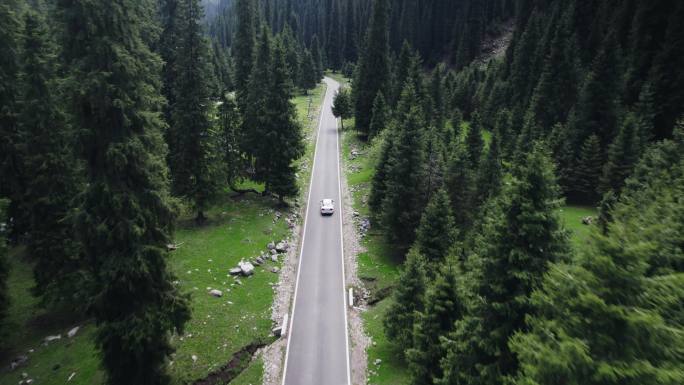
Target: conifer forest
(512, 171)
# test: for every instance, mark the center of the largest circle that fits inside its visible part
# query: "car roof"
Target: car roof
(327, 201)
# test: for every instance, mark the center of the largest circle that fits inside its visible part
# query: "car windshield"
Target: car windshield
(327, 202)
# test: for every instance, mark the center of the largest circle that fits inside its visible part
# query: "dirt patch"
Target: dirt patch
(233, 368)
(352, 248)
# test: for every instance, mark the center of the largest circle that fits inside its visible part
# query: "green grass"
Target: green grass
(238, 227)
(572, 219)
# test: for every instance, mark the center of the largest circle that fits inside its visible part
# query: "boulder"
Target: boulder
(259, 260)
(215, 293)
(275, 270)
(235, 271)
(277, 331)
(587, 220)
(274, 258)
(49, 339)
(271, 246)
(18, 362)
(273, 252)
(73, 332)
(282, 246)
(247, 268)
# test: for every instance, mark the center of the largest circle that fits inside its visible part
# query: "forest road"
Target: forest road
(318, 343)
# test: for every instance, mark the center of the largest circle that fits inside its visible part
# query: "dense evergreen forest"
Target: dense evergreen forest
(145, 108)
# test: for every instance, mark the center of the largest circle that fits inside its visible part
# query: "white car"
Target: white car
(327, 207)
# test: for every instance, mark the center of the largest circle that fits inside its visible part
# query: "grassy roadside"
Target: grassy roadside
(238, 227)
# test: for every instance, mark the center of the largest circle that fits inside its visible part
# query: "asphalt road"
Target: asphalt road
(317, 346)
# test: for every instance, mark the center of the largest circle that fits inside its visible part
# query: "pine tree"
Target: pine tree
(490, 173)
(435, 235)
(623, 154)
(437, 99)
(308, 76)
(613, 315)
(588, 170)
(461, 183)
(381, 116)
(335, 42)
(605, 216)
(407, 300)
(11, 168)
(255, 123)
(404, 201)
(292, 55)
(435, 168)
(379, 180)
(373, 69)
(284, 138)
(125, 220)
(521, 237)
(474, 142)
(442, 308)
(192, 155)
(342, 106)
(229, 140)
(456, 124)
(48, 141)
(350, 51)
(244, 48)
(401, 72)
(317, 56)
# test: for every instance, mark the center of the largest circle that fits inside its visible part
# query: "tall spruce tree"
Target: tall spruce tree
(373, 68)
(521, 237)
(283, 137)
(255, 121)
(404, 199)
(378, 182)
(342, 106)
(48, 142)
(442, 308)
(335, 44)
(308, 75)
(380, 117)
(613, 315)
(588, 170)
(436, 233)
(490, 173)
(623, 154)
(317, 56)
(407, 301)
(244, 48)
(125, 220)
(11, 169)
(193, 153)
(461, 183)
(474, 142)
(229, 140)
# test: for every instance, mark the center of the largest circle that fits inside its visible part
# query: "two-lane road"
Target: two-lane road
(318, 343)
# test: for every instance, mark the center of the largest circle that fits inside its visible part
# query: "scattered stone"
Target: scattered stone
(71, 376)
(18, 361)
(24, 375)
(216, 293)
(271, 246)
(256, 262)
(277, 331)
(260, 260)
(194, 358)
(49, 339)
(247, 268)
(274, 257)
(73, 332)
(275, 270)
(378, 361)
(587, 220)
(235, 271)
(278, 214)
(273, 252)
(282, 246)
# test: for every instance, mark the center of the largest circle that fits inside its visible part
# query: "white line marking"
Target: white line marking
(344, 282)
(301, 245)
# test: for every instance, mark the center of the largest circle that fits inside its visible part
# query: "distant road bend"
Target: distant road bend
(318, 343)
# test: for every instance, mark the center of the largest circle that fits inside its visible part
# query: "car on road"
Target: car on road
(327, 207)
